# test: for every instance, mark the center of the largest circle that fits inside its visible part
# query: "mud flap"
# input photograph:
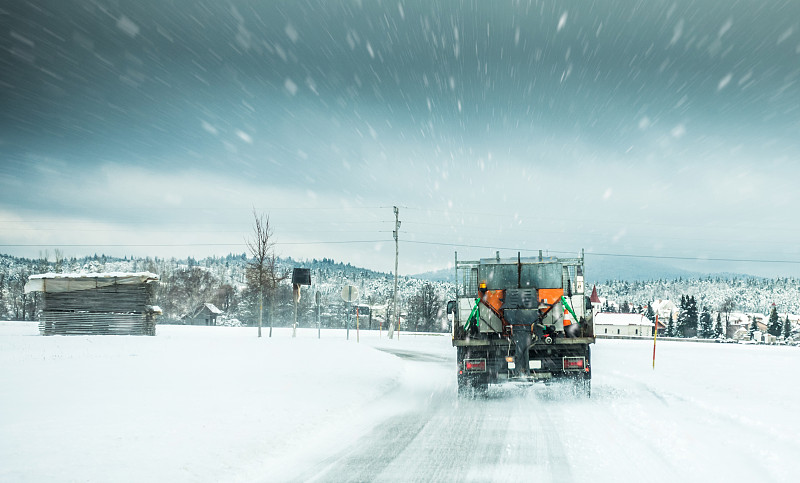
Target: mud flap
(522, 341)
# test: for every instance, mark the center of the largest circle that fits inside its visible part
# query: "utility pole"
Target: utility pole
(396, 257)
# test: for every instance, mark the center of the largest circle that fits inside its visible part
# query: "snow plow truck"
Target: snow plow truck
(523, 319)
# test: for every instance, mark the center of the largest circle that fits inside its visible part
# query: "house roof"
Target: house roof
(612, 318)
(594, 298)
(664, 305)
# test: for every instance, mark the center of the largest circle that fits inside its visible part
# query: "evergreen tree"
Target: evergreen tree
(649, 313)
(691, 308)
(625, 309)
(688, 318)
(787, 328)
(672, 329)
(718, 326)
(682, 319)
(753, 326)
(706, 327)
(774, 327)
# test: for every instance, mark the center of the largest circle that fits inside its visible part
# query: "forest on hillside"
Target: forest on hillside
(748, 294)
(185, 285)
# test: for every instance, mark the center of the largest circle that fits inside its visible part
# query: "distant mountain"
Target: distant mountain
(443, 275)
(602, 268)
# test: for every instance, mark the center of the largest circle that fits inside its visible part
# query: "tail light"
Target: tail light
(574, 363)
(475, 365)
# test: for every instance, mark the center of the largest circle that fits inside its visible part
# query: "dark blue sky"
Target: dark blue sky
(648, 128)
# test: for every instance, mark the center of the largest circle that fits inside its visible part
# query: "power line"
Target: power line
(417, 242)
(161, 245)
(600, 254)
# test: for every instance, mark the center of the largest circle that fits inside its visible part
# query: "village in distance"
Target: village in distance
(218, 291)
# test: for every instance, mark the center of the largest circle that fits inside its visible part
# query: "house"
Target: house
(205, 314)
(665, 309)
(116, 303)
(611, 324)
(736, 321)
(662, 325)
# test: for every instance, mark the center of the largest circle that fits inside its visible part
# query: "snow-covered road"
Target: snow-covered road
(640, 424)
(217, 404)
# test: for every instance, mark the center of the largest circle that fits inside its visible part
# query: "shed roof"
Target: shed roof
(70, 282)
(213, 309)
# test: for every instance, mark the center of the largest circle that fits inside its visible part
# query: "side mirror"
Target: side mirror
(451, 307)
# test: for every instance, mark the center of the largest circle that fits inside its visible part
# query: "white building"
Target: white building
(606, 323)
(665, 309)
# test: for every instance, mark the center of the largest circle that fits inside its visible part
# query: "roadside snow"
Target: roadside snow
(191, 404)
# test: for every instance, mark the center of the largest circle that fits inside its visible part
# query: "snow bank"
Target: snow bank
(192, 404)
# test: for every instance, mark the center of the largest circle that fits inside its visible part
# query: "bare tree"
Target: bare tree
(187, 289)
(58, 265)
(258, 269)
(274, 277)
(425, 307)
(727, 306)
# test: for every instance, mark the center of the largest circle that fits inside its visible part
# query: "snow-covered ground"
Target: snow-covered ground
(219, 404)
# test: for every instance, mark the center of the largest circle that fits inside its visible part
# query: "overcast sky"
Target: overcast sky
(651, 128)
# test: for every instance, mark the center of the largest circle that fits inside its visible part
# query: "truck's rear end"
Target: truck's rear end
(521, 319)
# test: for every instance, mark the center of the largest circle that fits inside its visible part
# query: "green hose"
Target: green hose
(475, 314)
(566, 304)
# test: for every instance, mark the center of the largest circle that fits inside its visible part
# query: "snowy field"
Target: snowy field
(219, 404)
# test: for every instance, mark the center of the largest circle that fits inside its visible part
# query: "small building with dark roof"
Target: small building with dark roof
(204, 314)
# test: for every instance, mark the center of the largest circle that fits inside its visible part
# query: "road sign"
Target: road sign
(301, 276)
(349, 293)
(317, 297)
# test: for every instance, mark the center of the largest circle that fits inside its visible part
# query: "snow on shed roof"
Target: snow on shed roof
(611, 318)
(69, 282)
(213, 308)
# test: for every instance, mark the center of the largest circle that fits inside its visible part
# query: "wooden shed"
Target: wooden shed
(116, 303)
(205, 314)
